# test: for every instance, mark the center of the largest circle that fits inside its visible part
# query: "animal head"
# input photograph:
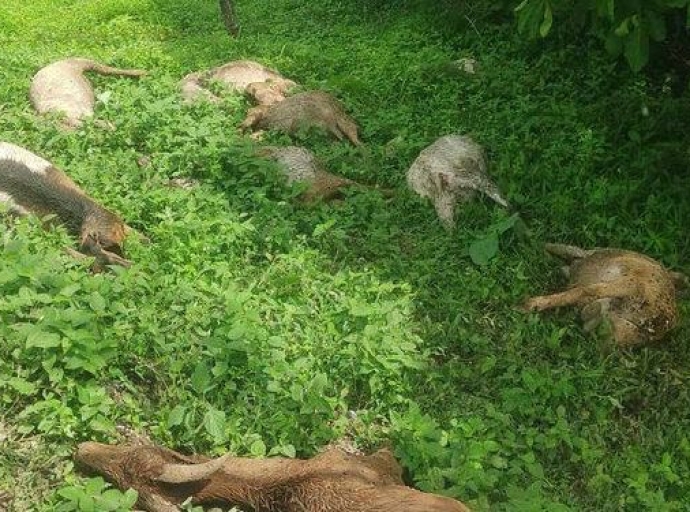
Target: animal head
(103, 236)
(270, 91)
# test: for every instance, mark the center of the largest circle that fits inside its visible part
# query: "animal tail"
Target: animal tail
(566, 252)
(92, 65)
(349, 130)
(489, 189)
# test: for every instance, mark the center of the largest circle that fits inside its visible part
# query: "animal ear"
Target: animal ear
(186, 473)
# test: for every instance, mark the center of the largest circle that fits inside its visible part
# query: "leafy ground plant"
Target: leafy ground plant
(255, 325)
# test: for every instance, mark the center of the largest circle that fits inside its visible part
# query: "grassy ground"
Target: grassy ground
(254, 325)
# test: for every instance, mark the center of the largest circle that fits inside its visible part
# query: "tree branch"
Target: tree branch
(227, 12)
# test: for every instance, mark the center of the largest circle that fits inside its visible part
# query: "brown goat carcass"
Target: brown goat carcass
(452, 169)
(263, 84)
(301, 166)
(629, 293)
(313, 109)
(30, 184)
(62, 88)
(332, 481)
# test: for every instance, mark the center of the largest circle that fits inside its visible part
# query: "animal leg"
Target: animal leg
(580, 294)
(567, 252)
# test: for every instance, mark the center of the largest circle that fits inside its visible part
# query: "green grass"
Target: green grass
(254, 325)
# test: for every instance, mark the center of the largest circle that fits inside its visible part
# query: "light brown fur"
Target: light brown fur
(630, 291)
(61, 87)
(332, 481)
(263, 84)
(316, 109)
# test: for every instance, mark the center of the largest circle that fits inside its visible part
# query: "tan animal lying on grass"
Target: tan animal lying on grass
(268, 86)
(313, 109)
(451, 170)
(61, 87)
(30, 184)
(333, 481)
(634, 294)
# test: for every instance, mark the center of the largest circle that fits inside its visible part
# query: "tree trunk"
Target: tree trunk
(227, 11)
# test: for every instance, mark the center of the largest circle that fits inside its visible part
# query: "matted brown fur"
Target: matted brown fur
(332, 481)
(635, 294)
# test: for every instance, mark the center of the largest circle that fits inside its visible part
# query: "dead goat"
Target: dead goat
(313, 109)
(30, 184)
(630, 293)
(332, 481)
(61, 87)
(268, 85)
(301, 166)
(452, 169)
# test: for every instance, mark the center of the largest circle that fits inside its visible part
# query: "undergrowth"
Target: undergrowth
(254, 325)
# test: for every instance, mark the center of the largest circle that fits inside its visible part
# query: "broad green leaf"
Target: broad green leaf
(214, 424)
(87, 504)
(176, 416)
(21, 386)
(97, 302)
(258, 448)
(623, 29)
(505, 224)
(637, 47)
(201, 378)
(131, 497)
(546, 23)
(110, 500)
(288, 450)
(483, 250)
(71, 493)
(42, 339)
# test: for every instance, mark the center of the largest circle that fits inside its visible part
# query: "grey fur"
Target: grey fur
(300, 165)
(452, 169)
